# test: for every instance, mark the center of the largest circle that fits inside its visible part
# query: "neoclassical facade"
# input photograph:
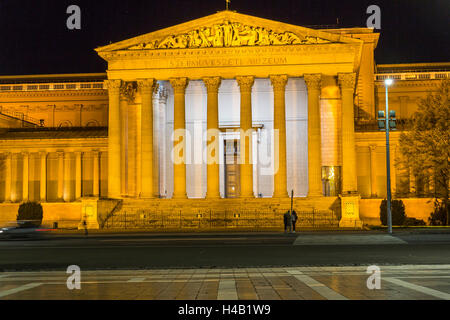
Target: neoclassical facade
(228, 111)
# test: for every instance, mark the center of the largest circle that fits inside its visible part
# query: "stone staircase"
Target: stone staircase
(202, 214)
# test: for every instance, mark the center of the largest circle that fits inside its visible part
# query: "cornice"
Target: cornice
(208, 52)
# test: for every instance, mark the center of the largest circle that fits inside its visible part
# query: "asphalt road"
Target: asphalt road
(150, 251)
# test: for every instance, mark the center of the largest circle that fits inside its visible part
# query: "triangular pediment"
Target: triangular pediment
(227, 29)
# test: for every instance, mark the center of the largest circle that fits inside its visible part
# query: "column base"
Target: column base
(280, 196)
(179, 196)
(350, 212)
(146, 196)
(315, 195)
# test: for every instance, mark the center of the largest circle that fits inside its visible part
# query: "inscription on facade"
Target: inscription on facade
(224, 62)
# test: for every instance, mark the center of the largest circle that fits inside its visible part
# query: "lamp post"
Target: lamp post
(387, 83)
(387, 122)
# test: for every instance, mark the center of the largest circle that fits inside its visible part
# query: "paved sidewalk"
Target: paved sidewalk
(408, 282)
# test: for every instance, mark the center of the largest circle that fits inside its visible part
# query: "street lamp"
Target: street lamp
(387, 121)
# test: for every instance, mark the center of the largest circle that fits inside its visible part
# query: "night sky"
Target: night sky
(34, 38)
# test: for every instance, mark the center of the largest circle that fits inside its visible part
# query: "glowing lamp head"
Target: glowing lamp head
(388, 82)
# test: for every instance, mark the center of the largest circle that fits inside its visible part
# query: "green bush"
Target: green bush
(397, 210)
(30, 215)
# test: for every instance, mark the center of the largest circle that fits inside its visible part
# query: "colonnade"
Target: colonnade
(64, 175)
(146, 172)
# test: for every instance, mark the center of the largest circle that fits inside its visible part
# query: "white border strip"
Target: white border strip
(320, 288)
(19, 289)
(428, 291)
(227, 290)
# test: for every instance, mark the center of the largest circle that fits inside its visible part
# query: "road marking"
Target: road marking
(428, 291)
(320, 288)
(19, 289)
(227, 290)
(347, 239)
(136, 279)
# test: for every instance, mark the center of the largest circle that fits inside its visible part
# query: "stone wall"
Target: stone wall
(419, 208)
(68, 215)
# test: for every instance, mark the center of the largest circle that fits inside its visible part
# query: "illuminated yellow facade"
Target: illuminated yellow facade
(293, 108)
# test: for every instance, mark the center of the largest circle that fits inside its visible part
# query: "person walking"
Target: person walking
(85, 228)
(287, 222)
(294, 220)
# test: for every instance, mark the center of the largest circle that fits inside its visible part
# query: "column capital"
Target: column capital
(212, 84)
(25, 153)
(245, 83)
(128, 91)
(279, 81)
(112, 85)
(313, 80)
(347, 80)
(372, 147)
(179, 84)
(146, 85)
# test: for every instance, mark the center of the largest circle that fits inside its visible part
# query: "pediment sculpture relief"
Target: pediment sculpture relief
(229, 34)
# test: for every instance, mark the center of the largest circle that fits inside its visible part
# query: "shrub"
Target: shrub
(439, 216)
(414, 222)
(397, 210)
(31, 213)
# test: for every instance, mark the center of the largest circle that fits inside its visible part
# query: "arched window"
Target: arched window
(65, 124)
(93, 123)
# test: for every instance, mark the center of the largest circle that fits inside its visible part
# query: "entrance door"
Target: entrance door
(232, 169)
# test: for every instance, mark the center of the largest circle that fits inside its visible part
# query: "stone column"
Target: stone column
(14, 177)
(163, 95)
(279, 124)
(60, 193)
(212, 85)
(25, 177)
(179, 168)
(373, 172)
(246, 84)
(114, 139)
(8, 177)
(123, 111)
(146, 87)
(43, 180)
(67, 176)
(347, 84)
(78, 175)
(95, 173)
(313, 82)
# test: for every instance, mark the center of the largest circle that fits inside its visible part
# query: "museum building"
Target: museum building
(226, 114)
